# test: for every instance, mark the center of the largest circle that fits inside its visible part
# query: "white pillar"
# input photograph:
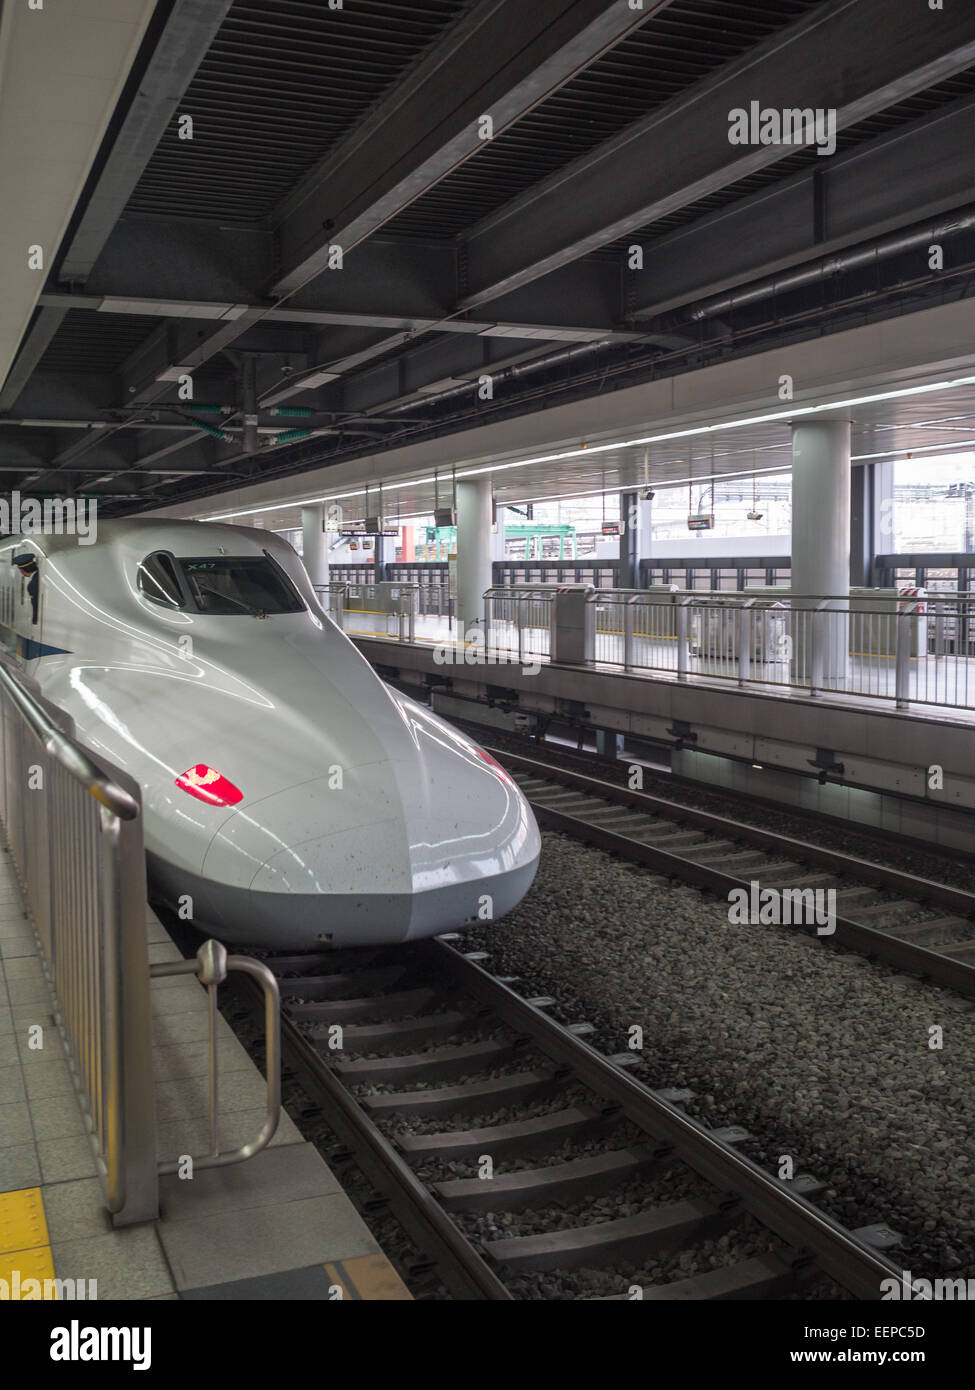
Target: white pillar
(497, 538)
(821, 535)
(474, 547)
(645, 539)
(314, 543)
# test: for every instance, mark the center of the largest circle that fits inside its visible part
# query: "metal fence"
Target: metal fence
(433, 586)
(74, 829)
(387, 610)
(332, 598)
(518, 621)
(73, 824)
(909, 648)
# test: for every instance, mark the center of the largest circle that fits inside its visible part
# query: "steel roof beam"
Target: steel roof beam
(501, 60)
(190, 30)
(324, 318)
(894, 181)
(854, 57)
(37, 340)
(185, 268)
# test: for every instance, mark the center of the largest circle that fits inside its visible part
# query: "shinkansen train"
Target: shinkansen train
(296, 799)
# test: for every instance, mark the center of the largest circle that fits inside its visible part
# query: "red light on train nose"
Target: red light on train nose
(208, 785)
(493, 763)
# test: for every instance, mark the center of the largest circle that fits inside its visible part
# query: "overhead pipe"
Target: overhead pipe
(840, 262)
(506, 374)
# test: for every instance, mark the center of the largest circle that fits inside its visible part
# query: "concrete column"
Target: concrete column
(871, 523)
(473, 550)
(497, 538)
(629, 565)
(861, 525)
(821, 536)
(882, 498)
(638, 548)
(314, 541)
(645, 538)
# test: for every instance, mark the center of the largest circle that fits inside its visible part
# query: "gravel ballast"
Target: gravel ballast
(822, 1055)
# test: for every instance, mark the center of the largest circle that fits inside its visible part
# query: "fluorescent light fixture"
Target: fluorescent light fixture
(791, 413)
(168, 308)
(445, 384)
(946, 447)
(317, 379)
(61, 424)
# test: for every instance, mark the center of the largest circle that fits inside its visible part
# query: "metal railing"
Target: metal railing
(389, 610)
(910, 648)
(331, 596)
(75, 833)
(518, 621)
(73, 824)
(211, 965)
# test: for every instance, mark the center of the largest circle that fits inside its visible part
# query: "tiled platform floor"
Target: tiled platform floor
(277, 1226)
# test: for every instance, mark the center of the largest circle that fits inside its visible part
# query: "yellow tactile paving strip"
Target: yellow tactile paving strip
(25, 1251)
(368, 1277)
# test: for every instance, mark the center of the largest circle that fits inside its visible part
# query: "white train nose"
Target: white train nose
(279, 843)
(385, 852)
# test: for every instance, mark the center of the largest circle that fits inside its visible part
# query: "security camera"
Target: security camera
(755, 516)
(646, 494)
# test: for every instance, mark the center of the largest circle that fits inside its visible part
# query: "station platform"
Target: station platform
(943, 687)
(848, 755)
(277, 1226)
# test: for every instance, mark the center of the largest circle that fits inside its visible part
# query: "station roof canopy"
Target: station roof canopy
(295, 248)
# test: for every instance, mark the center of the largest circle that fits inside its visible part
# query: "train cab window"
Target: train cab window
(240, 585)
(159, 582)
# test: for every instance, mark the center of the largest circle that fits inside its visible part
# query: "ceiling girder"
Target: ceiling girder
(894, 181)
(854, 58)
(501, 60)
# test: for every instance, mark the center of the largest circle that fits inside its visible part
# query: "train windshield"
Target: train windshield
(216, 585)
(239, 585)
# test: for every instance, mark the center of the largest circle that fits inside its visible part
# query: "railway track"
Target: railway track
(915, 924)
(508, 1146)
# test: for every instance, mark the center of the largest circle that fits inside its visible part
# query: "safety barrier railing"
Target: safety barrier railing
(434, 599)
(331, 596)
(74, 828)
(909, 647)
(518, 621)
(387, 610)
(422, 599)
(211, 965)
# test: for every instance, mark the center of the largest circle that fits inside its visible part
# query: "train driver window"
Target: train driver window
(240, 585)
(159, 582)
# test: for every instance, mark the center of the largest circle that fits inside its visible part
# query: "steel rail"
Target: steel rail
(460, 1266)
(905, 955)
(840, 1252)
(813, 1237)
